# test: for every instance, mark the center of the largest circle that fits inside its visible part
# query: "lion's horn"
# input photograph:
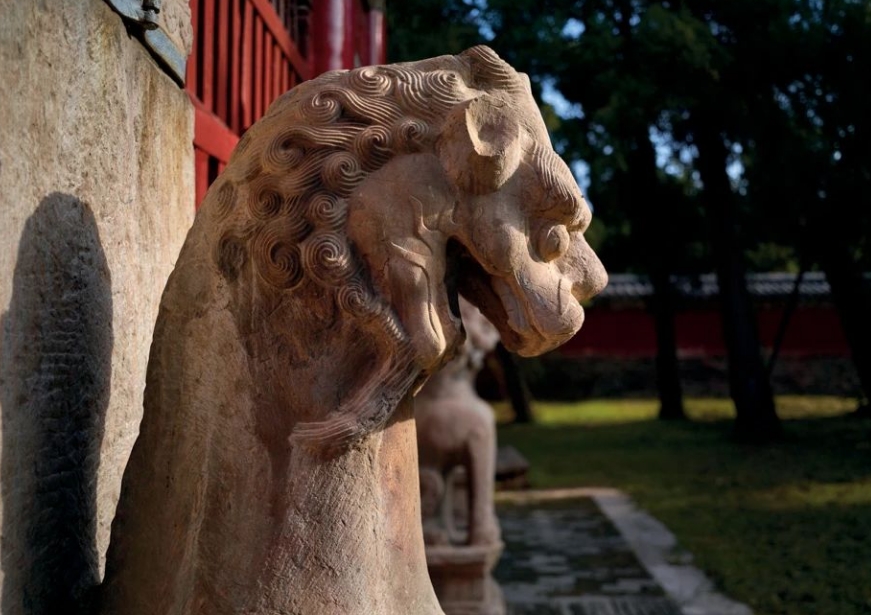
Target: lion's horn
(489, 71)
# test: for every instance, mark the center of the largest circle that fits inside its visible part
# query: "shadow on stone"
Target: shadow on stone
(54, 386)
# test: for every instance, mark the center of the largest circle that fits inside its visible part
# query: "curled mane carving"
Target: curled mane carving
(281, 205)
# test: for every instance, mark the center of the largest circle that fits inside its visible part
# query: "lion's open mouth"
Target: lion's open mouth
(528, 324)
(466, 277)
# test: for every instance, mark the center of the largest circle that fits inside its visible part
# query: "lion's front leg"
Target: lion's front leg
(481, 455)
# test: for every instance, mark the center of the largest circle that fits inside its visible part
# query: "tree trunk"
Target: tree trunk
(515, 385)
(749, 386)
(852, 298)
(644, 191)
(667, 367)
(788, 311)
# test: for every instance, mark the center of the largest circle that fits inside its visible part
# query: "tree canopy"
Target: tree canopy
(715, 136)
(785, 81)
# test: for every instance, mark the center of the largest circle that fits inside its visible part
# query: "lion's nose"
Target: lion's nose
(587, 272)
(591, 284)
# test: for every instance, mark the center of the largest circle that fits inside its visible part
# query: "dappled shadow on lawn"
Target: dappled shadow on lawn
(783, 527)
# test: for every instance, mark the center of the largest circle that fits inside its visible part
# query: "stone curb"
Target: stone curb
(653, 544)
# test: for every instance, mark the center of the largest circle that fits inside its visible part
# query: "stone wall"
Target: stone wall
(96, 195)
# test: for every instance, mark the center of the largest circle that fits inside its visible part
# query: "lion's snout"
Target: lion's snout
(586, 271)
(593, 282)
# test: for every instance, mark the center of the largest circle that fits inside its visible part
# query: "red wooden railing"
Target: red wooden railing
(243, 58)
(248, 52)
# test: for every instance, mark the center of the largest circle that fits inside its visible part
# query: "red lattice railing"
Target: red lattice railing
(243, 58)
(248, 52)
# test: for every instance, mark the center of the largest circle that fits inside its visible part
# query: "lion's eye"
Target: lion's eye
(553, 243)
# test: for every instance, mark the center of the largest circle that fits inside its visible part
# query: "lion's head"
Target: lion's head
(388, 190)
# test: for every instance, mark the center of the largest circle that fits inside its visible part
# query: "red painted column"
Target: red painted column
(361, 33)
(332, 35)
(349, 46)
(377, 37)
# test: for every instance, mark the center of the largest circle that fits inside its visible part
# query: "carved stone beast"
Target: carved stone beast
(276, 466)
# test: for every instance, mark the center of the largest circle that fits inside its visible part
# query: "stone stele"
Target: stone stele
(276, 467)
(456, 439)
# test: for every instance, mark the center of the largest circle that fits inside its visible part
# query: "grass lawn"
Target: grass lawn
(785, 528)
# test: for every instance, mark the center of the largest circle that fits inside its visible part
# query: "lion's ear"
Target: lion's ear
(479, 145)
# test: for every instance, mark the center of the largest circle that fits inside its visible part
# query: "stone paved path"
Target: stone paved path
(565, 556)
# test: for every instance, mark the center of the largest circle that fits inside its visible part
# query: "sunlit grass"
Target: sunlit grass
(785, 528)
(611, 411)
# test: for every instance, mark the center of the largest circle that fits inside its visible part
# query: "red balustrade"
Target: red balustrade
(248, 52)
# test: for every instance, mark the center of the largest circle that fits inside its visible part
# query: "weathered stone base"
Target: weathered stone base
(462, 580)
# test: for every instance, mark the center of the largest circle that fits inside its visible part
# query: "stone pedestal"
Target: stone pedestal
(462, 578)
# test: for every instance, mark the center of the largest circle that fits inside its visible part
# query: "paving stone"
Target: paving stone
(597, 605)
(566, 558)
(535, 608)
(623, 606)
(566, 549)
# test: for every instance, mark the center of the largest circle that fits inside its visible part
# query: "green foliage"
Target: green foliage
(772, 256)
(670, 92)
(783, 528)
(427, 28)
(786, 80)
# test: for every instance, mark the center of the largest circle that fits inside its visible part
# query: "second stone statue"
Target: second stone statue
(276, 467)
(456, 438)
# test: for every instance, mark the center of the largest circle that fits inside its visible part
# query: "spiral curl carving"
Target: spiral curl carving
(325, 210)
(341, 172)
(355, 299)
(370, 81)
(373, 146)
(265, 200)
(225, 199)
(322, 108)
(429, 95)
(365, 110)
(327, 258)
(338, 136)
(303, 177)
(282, 153)
(276, 253)
(442, 88)
(412, 98)
(410, 134)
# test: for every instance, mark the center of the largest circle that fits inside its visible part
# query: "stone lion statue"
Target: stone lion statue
(456, 429)
(276, 470)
